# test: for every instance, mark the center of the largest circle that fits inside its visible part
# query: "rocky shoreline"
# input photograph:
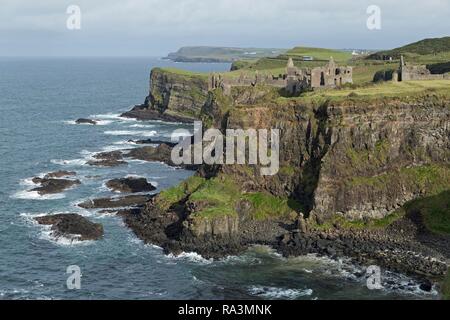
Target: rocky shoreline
(397, 248)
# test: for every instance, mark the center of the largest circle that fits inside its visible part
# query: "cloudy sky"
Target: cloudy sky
(155, 27)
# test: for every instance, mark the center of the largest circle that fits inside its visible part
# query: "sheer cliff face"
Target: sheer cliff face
(178, 95)
(382, 155)
(357, 159)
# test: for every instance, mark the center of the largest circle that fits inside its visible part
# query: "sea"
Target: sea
(40, 99)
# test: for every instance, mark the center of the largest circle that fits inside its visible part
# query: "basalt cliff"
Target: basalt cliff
(357, 176)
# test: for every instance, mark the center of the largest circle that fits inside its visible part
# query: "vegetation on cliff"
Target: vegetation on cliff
(223, 196)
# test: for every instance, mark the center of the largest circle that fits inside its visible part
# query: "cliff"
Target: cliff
(351, 162)
(174, 95)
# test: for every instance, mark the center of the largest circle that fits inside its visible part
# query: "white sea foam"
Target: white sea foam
(112, 117)
(47, 234)
(29, 181)
(103, 122)
(190, 257)
(125, 142)
(176, 135)
(146, 126)
(71, 163)
(279, 293)
(131, 133)
(34, 195)
(111, 148)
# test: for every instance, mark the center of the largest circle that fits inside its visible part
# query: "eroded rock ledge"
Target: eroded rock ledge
(72, 226)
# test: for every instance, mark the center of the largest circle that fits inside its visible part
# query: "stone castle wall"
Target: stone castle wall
(294, 81)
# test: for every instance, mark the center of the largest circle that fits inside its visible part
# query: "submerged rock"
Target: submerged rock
(60, 174)
(151, 141)
(52, 186)
(85, 121)
(130, 185)
(107, 159)
(106, 163)
(72, 226)
(120, 202)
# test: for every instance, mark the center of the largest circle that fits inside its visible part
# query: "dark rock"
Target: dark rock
(128, 201)
(111, 155)
(86, 121)
(130, 185)
(60, 174)
(426, 286)
(52, 186)
(106, 163)
(161, 153)
(151, 141)
(72, 226)
(108, 159)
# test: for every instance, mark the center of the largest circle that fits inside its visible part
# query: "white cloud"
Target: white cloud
(162, 24)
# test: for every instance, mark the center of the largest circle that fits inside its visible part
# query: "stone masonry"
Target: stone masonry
(294, 81)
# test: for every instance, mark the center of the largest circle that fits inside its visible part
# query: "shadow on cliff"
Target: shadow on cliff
(318, 143)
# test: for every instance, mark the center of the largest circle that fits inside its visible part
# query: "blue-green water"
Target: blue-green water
(39, 99)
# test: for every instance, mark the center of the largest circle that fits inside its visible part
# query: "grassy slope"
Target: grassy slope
(320, 53)
(381, 90)
(437, 47)
(435, 211)
(220, 196)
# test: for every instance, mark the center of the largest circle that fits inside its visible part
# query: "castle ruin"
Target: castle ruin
(294, 80)
(408, 72)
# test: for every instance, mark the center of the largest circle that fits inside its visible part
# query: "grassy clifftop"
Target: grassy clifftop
(437, 47)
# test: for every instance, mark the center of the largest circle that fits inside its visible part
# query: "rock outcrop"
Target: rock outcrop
(53, 186)
(107, 159)
(172, 97)
(116, 202)
(130, 185)
(72, 226)
(343, 162)
(86, 121)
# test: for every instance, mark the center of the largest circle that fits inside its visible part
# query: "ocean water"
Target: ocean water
(39, 100)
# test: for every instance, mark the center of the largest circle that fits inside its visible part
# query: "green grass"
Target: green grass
(173, 195)
(186, 73)
(432, 178)
(378, 91)
(224, 53)
(220, 196)
(217, 196)
(377, 156)
(363, 224)
(320, 53)
(265, 205)
(427, 47)
(435, 211)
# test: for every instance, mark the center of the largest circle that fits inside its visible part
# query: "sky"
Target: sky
(156, 27)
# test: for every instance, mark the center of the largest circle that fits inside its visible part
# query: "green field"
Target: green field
(320, 53)
(381, 90)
